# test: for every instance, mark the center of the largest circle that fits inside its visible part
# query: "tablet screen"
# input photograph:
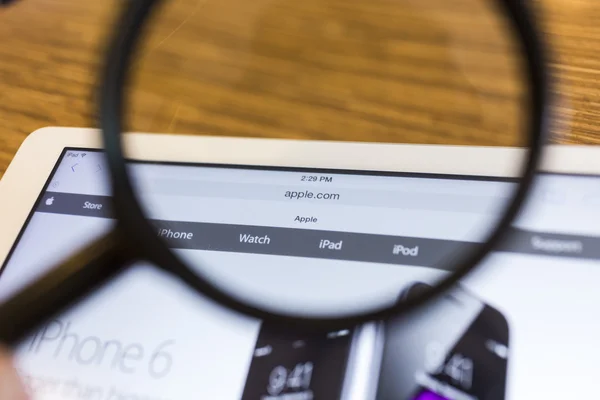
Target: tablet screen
(521, 326)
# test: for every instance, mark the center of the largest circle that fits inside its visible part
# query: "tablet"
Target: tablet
(521, 326)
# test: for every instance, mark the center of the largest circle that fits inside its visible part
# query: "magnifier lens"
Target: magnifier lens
(354, 231)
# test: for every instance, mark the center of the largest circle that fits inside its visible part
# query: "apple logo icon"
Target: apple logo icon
(49, 201)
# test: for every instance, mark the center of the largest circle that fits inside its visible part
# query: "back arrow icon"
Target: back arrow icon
(73, 166)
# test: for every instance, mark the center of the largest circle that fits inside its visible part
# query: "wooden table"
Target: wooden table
(319, 69)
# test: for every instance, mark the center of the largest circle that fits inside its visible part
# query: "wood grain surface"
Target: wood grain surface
(406, 71)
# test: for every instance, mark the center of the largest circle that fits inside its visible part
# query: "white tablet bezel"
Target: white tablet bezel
(28, 172)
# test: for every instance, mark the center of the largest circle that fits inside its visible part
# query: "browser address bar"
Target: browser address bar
(330, 195)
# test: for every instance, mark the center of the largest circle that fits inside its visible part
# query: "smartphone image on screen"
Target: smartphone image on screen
(298, 367)
(455, 350)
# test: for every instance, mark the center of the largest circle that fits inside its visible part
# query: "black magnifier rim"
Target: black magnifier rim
(130, 217)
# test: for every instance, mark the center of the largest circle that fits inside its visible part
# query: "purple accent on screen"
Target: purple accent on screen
(428, 395)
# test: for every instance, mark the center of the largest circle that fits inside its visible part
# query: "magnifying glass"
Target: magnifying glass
(460, 72)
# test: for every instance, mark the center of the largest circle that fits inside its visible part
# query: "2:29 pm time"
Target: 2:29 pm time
(316, 178)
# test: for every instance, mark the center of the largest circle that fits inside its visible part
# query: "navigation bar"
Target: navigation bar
(305, 243)
(552, 244)
(324, 244)
(76, 204)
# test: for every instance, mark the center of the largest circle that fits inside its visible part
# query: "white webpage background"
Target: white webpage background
(550, 303)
